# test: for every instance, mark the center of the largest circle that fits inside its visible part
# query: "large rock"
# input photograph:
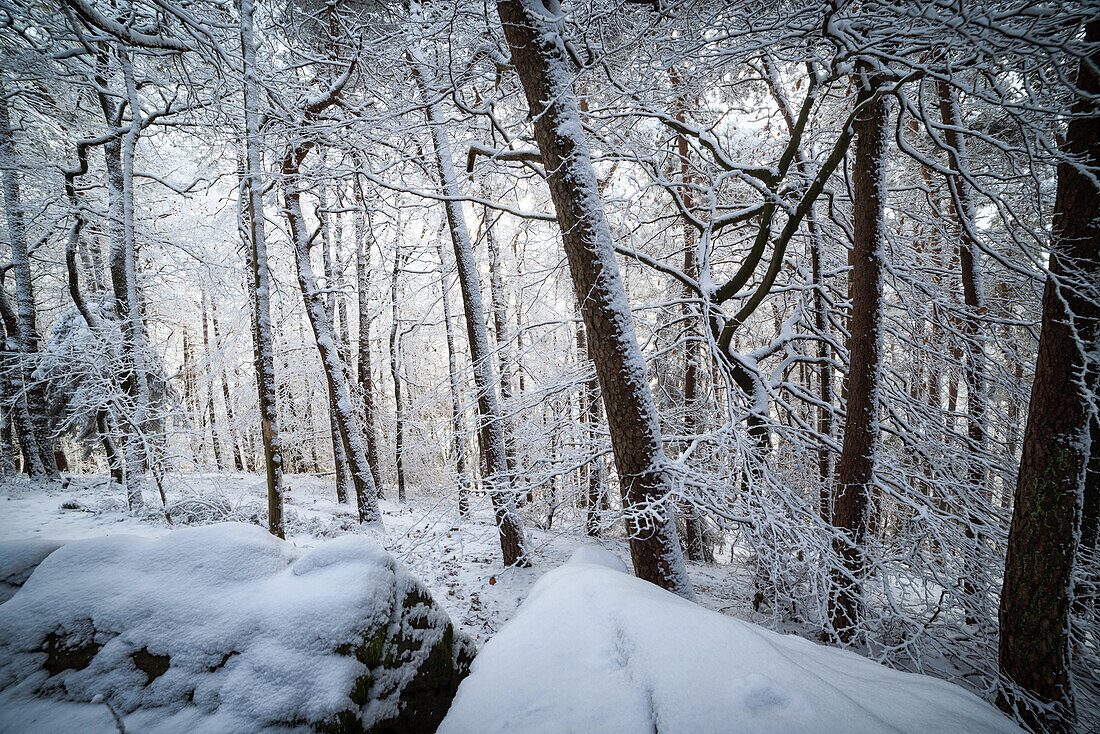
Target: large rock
(18, 559)
(594, 649)
(226, 629)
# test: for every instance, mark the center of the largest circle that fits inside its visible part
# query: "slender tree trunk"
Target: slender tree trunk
(458, 430)
(539, 55)
(512, 542)
(362, 276)
(973, 300)
(855, 469)
(395, 373)
(219, 456)
(498, 301)
(1052, 488)
(260, 285)
(339, 459)
(235, 441)
(365, 493)
(31, 422)
(590, 419)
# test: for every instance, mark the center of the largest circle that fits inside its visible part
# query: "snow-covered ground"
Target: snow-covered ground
(459, 560)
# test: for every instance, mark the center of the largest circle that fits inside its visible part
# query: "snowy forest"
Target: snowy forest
(550, 366)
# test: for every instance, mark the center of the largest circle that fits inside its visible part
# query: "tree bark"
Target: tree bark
(260, 283)
(219, 455)
(512, 541)
(1043, 540)
(366, 494)
(395, 373)
(458, 430)
(855, 468)
(539, 55)
(30, 417)
(236, 442)
(366, 384)
(339, 458)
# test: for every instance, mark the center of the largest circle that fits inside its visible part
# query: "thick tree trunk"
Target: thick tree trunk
(365, 378)
(458, 430)
(260, 283)
(539, 55)
(1035, 644)
(365, 493)
(855, 469)
(491, 442)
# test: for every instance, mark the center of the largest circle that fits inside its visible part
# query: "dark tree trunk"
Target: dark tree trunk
(855, 468)
(540, 59)
(1035, 648)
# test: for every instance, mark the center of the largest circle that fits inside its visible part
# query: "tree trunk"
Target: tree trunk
(366, 384)
(395, 373)
(260, 284)
(512, 542)
(219, 457)
(855, 469)
(590, 419)
(32, 424)
(339, 459)
(1035, 644)
(365, 493)
(539, 55)
(235, 441)
(458, 430)
(498, 300)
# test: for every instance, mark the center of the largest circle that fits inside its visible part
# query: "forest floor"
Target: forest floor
(459, 560)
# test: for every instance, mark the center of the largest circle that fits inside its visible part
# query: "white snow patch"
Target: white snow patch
(596, 650)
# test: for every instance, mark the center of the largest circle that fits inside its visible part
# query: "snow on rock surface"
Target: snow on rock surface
(18, 558)
(225, 628)
(596, 650)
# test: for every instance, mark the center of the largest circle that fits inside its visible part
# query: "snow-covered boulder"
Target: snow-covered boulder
(225, 628)
(596, 650)
(18, 558)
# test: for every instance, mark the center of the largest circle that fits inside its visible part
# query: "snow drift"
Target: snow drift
(225, 629)
(594, 649)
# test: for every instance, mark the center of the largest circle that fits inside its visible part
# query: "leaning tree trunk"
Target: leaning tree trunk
(260, 283)
(538, 52)
(855, 468)
(31, 422)
(1043, 540)
(512, 542)
(366, 494)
